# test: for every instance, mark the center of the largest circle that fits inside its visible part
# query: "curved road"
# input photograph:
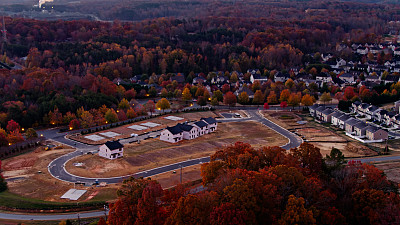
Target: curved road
(57, 166)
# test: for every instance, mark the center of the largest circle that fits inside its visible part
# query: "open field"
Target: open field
(154, 153)
(24, 179)
(318, 135)
(125, 132)
(170, 179)
(391, 169)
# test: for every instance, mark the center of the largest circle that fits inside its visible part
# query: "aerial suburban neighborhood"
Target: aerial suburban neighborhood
(199, 112)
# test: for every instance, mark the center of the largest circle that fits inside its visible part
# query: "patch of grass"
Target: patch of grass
(10, 200)
(286, 117)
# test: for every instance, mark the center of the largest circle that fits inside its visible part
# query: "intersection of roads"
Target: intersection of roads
(57, 167)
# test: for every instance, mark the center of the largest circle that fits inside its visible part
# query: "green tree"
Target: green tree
(111, 116)
(214, 101)
(31, 133)
(163, 104)
(218, 94)
(123, 104)
(326, 97)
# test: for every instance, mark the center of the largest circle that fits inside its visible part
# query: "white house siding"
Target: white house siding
(110, 154)
(169, 137)
(192, 134)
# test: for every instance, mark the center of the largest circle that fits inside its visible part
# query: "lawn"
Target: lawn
(13, 201)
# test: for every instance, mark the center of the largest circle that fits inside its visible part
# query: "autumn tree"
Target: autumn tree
(214, 101)
(111, 116)
(294, 100)
(296, 213)
(31, 133)
(186, 95)
(283, 105)
(12, 126)
(243, 98)
(326, 97)
(258, 98)
(271, 99)
(309, 156)
(285, 94)
(230, 99)
(123, 104)
(201, 101)
(218, 94)
(87, 120)
(74, 124)
(163, 104)
(150, 106)
(130, 113)
(266, 106)
(307, 100)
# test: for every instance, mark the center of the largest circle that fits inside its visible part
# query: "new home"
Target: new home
(111, 150)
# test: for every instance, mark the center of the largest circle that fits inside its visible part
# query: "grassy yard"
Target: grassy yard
(13, 201)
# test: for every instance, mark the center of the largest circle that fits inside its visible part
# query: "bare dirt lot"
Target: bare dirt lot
(154, 153)
(125, 132)
(391, 169)
(319, 135)
(23, 177)
(170, 179)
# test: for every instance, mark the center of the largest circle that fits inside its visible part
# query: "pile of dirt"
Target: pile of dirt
(360, 149)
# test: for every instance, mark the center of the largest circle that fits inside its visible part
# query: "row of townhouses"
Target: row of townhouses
(189, 131)
(376, 114)
(354, 127)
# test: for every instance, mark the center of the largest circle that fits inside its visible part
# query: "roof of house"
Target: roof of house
(392, 78)
(360, 125)
(352, 121)
(200, 124)
(337, 114)
(320, 108)
(346, 75)
(365, 105)
(175, 129)
(372, 129)
(185, 127)
(382, 112)
(372, 108)
(313, 107)
(357, 103)
(344, 117)
(113, 145)
(327, 111)
(209, 120)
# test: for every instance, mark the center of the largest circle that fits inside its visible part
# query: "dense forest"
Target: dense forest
(244, 185)
(63, 68)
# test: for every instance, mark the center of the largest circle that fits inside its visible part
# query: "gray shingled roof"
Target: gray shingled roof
(113, 145)
(352, 121)
(361, 125)
(201, 124)
(337, 114)
(175, 129)
(327, 111)
(372, 129)
(209, 120)
(344, 117)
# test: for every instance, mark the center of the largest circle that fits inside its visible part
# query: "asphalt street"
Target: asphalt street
(57, 166)
(41, 217)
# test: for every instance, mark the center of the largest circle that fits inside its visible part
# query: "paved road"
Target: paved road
(57, 166)
(41, 217)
